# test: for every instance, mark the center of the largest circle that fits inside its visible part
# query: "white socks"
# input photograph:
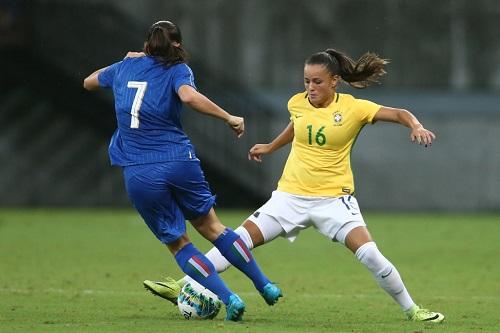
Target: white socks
(220, 263)
(385, 274)
(383, 271)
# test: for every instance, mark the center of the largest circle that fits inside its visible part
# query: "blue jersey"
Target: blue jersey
(148, 111)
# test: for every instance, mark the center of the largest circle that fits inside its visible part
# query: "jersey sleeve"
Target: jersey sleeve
(366, 110)
(107, 76)
(292, 105)
(183, 75)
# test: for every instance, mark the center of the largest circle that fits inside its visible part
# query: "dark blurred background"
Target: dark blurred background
(248, 56)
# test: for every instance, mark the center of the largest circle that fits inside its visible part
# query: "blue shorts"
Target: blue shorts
(168, 193)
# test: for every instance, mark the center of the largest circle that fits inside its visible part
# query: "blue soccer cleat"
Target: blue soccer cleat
(235, 308)
(271, 293)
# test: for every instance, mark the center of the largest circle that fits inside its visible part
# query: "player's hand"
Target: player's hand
(258, 150)
(237, 124)
(422, 136)
(133, 54)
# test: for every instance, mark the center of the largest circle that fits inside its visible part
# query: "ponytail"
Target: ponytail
(159, 43)
(358, 74)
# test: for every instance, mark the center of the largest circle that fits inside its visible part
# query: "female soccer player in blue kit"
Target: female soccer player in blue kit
(317, 185)
(163, 177)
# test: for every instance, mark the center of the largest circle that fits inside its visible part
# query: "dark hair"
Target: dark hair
(358, 74)
(159, 43)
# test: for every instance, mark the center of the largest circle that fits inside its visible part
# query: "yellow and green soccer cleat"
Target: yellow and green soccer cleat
(417, 313)
(168, 289)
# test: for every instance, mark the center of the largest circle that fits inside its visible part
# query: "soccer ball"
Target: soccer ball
(197, 302)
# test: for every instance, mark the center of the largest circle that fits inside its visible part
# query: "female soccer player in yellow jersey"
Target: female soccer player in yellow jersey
(316, 187)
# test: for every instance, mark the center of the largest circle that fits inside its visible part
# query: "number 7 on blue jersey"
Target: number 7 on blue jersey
(136, 105)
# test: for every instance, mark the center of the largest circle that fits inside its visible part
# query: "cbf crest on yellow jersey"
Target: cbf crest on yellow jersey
(319, 163)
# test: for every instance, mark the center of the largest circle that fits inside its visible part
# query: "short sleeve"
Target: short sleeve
(290, 108)
(183, 75)
(366, 110)
(293, 103)
(107, 76)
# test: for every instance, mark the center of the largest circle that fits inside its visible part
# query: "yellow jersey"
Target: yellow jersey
(319, 163)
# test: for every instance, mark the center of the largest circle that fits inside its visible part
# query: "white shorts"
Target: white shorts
(286, 214)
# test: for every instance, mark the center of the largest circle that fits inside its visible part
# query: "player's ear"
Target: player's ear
(335, 80)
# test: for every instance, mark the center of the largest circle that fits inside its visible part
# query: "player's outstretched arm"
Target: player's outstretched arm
(418, 133)
(202, 104)
(91, 82)
(284, 138)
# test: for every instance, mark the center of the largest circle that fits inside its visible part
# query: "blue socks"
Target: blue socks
(237, 253)
(196, 265)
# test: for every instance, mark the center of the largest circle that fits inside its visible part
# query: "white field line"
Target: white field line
(245, 294)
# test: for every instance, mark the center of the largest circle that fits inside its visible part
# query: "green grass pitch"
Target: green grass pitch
(81, 271)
